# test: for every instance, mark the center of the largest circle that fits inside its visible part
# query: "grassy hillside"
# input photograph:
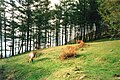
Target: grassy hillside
(99, 61)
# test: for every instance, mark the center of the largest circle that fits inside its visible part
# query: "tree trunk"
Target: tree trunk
(30, 43)
(28, 24)
(81, 29)
(70, 38)
(13, 43)
(84, 32)
(62, 35)
(1, 56)
(56, 38)
(5, 34)
(39, 38)
(45, 37)
(65, 34)
(50, 38)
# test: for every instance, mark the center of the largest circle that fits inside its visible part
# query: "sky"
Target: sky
(55, 2)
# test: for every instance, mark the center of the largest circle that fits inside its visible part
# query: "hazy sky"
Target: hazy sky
(55, 2)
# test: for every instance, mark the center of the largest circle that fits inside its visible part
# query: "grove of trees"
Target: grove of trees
(26, 24)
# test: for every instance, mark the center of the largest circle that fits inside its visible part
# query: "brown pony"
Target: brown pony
(31, 56)
(69, 51)
(80, 42)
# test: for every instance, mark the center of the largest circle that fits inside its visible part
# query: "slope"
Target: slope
(99, 61)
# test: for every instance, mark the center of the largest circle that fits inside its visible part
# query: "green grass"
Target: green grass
(99, 61)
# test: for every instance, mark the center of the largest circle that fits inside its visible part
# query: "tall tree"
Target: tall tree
(110, 13)
(94, 17)
(1, 25)
(28, 13)
(57, 16)
(41, 16)
(65, 16)
(5, 35)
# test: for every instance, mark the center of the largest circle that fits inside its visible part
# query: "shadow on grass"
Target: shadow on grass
(26, 72)
(83, 55)
(106, 39)
(2, 76)
(78, 55)
(41, 59)
(39, 54)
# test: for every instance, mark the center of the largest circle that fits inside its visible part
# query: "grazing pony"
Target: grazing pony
(32, 55)
(69, 51)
